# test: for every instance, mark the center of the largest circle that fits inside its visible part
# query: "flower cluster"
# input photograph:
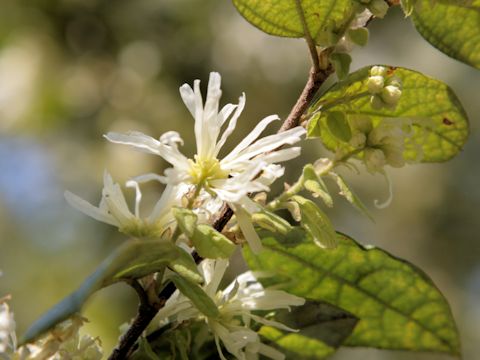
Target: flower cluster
(382, 145)
(236, 304)
(62, 343)
(7, 330)
(386, 90)
(249, 168)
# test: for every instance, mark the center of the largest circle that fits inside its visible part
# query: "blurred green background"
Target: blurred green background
(71, 70)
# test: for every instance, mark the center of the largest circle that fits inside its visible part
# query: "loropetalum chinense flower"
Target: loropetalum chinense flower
(114, 210)
(7, 330)
(236, 304)
(249, 168)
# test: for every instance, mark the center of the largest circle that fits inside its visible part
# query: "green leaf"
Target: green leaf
(358, 36)
(341, 62)
(133, 260)
(348, 194)
(438, 120)
(195, 293)
(185, 266)
(186, 220)
(338, 125)
(269, 221)
(211, 244)
(322, 328)
(398, 306)
(316, 223)
(325, 20)
(313, 183)
(452, 27)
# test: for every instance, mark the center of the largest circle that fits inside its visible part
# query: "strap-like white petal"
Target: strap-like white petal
(245, 224)
(266, 144)
(136, 139)
(254, 134)
(88, 209)
(231, 124)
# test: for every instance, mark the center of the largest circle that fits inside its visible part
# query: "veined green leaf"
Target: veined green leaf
(195, 293)
(316, 222)
(325, 20)
(211, 244)
(398, 306)
(436, 117)
(313, 183)
(133, 260)
(322, 328)
(453, 27)
(348, 194)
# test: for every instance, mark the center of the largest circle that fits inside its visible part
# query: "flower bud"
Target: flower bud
(378, 71)
(391, 95)
(374, 159)
(375, 84)
(361, 123)
(358, 140)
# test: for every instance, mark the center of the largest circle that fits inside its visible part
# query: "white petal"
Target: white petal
(280, 155)
(272, 323)
(150, 177)
(270, 352)
(171, 138)
(188, 97)
(219, 270)
(117, 205)
(254, 134)
(148, 144)
(163, 205)
(226, 111)
(245, 224)
(266, 144)
(231, 125)
(136, 139)
(88, 209)
(138, 195)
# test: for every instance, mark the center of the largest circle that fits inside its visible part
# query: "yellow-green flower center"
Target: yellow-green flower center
(204, 170)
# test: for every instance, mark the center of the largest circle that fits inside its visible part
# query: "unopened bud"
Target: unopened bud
(375, 84)
(374, 159)
(391, 95)
(358, 140)
(378, 71)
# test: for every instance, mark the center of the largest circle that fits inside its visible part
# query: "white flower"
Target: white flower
(63, 343)
(250, 167)
(235, 304)
(7, 330)
(113, 208)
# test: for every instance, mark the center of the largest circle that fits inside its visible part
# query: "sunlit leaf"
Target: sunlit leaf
(436, 117)
(316, 222)
(313, 183)
(397, 305)
(324, 19)
(211, 244)
(322, 328)
(453, 27)
(196, 294)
